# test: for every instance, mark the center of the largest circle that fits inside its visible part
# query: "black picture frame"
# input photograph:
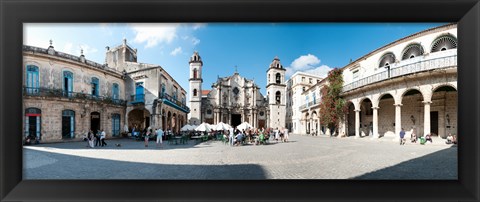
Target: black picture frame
(14, 13)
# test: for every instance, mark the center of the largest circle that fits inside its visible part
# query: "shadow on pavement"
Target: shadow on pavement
(47, 165)
(419, 168)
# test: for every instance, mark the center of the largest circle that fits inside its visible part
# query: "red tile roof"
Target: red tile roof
(205, 92)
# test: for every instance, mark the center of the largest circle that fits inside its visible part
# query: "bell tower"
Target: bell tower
(276, 90)
(195, 89)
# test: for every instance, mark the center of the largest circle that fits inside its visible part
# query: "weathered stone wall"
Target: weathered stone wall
(51, 116)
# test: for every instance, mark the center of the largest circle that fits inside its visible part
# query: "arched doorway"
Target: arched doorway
(139, 118)
(386, 115)
(174, 123)
(366, 117)
(350, 119)
(95, 122)
(412, 112)
(315, 123)
(169, 121)
(444, 107)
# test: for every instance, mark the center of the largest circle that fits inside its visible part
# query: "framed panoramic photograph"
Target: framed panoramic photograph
(266, 100)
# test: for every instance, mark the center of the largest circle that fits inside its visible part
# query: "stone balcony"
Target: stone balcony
(438, 60)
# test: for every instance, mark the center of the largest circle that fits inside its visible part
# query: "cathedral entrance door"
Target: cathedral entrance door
(236, 120)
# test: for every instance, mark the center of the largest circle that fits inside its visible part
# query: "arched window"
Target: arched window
(444, 42)
(115, 124)
(115, 91)
(277, 97)
(32, 83)
(278, 78)
(32, 122)
(68, 124)
(67, 83)
(386, 60)
(195, 73)
(194, 92)
(412, 50)
(95, 86)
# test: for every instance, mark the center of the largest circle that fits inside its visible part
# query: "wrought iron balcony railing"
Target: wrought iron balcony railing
(175, 101)
(137, 99)
(310, 104)
(51, 92)
(423, 65)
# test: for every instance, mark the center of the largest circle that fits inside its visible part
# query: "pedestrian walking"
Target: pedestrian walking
(285, 131)
(402, 137)
(90, 138)
(97, 138)
(277, 134)
(147, 136)
(159, 137)
(102, 137)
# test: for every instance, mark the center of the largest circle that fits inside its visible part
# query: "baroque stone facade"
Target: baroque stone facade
(235, 99)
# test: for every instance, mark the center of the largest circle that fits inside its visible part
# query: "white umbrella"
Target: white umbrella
(244, 126)
(203, 127)
(192, 127)
(222, 126)
(186, 127)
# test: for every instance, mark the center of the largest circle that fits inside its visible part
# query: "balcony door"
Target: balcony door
(139, 91)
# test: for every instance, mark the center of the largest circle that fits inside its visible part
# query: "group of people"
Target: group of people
(428, 138)
(256, 136)
(159, 135)
(96, 139)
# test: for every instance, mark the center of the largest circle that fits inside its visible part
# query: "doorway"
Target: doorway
(95, 122)
(434, 123)
(236, 120)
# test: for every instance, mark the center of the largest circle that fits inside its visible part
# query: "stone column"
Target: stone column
(375, 122)
(357, 123)
(426, 119)
(398, 121)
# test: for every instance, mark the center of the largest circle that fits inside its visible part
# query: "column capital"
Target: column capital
(398, 105)
(375, 108)
(357, 110)
(427, 102)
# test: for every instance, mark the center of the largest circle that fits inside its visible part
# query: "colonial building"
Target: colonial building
(297, 85)
(67, 95)
(235, 99)
(310, 110)
(155, 99)
(410, 83)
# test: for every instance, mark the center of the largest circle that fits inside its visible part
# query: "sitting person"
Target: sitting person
(428, 138)
(449, 139)
(413, 138)
(454, 140)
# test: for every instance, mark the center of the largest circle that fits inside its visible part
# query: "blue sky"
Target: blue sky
(311, 47)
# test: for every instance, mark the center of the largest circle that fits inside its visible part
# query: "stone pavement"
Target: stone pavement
(304, 157)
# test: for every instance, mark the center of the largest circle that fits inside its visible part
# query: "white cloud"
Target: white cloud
(195, 41)
(308, 63)
(176, 51)
(154, 34)
(198, 25)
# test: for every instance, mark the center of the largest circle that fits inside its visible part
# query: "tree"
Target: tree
(333, 107)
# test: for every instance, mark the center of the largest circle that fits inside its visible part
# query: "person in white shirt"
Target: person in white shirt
(285, 131)
(277, 134)
(231, 136)
(159, 136)
(102, 137)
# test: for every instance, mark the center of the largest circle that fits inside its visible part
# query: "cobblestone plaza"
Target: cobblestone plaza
(304, 157)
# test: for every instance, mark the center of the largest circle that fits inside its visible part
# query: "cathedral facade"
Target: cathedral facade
(236, 99)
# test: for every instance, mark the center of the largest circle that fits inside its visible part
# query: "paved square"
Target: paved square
(304, 157)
